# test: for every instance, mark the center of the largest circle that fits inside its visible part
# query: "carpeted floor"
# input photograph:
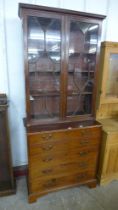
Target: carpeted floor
(79, 198)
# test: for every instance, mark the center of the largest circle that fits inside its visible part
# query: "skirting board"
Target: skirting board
(20, 171)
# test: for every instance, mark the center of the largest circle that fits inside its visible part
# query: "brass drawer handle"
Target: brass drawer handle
(80, 176)
(43, 136)
(66, 164)
(48, 136)
(83, 131)
(83, 153)
(47, 171)
(49, 147)
(47, 159)
(83, 165)
(83, 142)
(63, 164)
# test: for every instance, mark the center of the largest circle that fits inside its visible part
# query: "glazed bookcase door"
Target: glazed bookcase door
(83, 41)
(110, 77)
(62, 52)
(44, 66)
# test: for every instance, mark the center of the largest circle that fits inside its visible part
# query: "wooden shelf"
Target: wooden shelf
(58, 72)
(34, 73)
(71, 55)
(53, 94)
(42, 94)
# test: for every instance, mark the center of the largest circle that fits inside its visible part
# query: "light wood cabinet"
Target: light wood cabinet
(107, 100)
(61, 49)
(107, 111)
(108, 168)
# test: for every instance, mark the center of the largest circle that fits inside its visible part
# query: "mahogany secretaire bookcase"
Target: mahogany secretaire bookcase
(61, 53)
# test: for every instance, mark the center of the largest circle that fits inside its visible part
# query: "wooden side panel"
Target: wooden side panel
(109, 110)
(112, 163)
(102, 159)
(108, 167)
(7, 185)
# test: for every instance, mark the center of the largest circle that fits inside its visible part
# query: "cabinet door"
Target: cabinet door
(60, 72)
(44, 65)
(110, 76)
(111, 160)
(83, 41)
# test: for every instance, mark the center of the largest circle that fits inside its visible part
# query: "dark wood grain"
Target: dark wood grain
(7, 184)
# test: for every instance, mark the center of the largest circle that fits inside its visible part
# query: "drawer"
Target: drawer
(64, 145)
(67, 167)
(91, 134)
(63, 181)
(53, 158)
(47, 148)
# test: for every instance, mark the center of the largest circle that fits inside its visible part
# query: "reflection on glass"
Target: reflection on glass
(112, 80)
(44, 41)
(82, 59)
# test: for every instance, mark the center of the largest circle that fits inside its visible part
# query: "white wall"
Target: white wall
(11, 58)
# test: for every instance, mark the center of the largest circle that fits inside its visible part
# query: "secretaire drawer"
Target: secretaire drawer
(92, 134)
(63, 140)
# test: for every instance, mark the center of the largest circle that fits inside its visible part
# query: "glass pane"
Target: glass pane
(44, 43)
(112, 81)
(79, 104)
(44, 107)
(81, 68)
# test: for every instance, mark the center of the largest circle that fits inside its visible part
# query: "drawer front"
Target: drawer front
(62, 142)
(55, 183)
(90, 134)
(47, 148)
(62, 158)
(60, 148)
(52, 159)
(62, 168)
